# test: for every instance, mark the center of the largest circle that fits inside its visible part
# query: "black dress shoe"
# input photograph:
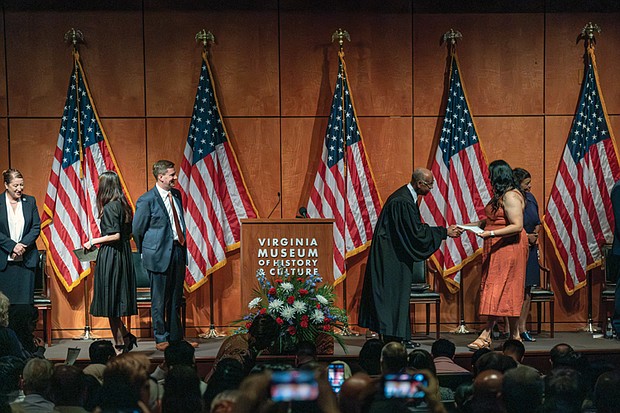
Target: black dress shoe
(526, 336)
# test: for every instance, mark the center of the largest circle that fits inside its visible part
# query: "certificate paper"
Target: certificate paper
(472, 228)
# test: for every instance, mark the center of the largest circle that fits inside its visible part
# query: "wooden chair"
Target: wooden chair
(42, 298)
(610, 269)
(421, 293)
(543, 294)
(143, 293)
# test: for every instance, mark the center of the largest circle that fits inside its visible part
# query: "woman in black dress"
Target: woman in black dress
(114, 293)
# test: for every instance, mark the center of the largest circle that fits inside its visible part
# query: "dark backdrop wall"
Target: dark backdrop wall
(275, 68)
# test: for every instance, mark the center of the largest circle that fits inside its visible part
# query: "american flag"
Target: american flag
(70, 211)
(462, 187)
(579, 216)
(344, 188)
(213, 190)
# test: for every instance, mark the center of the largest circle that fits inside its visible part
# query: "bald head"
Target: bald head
(356, 392)
(488, 382)
(393, 358)
(421, 174)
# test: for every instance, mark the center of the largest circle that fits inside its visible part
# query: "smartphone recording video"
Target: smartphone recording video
(404, 386)
(335, 375)
(293, 385)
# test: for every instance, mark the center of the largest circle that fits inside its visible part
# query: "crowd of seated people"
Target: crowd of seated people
(385, 378)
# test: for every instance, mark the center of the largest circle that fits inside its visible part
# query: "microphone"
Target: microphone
(275, 206)
(303, 212)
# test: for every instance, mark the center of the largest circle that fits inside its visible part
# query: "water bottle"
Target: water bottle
(609, 331)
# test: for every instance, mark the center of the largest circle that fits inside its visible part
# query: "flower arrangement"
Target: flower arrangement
(301, 307)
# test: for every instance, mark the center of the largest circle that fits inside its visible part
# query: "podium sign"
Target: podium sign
(303, 245)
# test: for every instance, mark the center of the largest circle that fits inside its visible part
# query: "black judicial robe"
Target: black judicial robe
(399, 240)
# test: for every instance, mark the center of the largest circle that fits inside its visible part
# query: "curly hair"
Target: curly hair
(4, 310)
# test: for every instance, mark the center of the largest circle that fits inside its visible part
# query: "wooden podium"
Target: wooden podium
(302, 244)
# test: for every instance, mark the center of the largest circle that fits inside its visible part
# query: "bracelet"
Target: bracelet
(492, 234)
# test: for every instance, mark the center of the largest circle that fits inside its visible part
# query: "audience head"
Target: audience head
(421, 359)
(182, 390)
(101, 351)
(227, 401)
(180, 353)
(37, 374)
(495, 361)
(370, 356)
(564, 391)
(125, 382)
(356, 393)
(11, 369)
(443, 348)
(263, 331)
(522, 383)
(393, 358)
(515, 349)
(68, 385)
(563, 355)
(606, 394)
(227, 375)
(476, 355)
(487, 392)
(306, 353)
(4, 310)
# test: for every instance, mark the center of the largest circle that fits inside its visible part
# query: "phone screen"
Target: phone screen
(404, 386)
(335, 375)
(293, 385)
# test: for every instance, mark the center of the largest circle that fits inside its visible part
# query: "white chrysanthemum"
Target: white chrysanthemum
(317, 316)
(287, 286)
(275, 305)
(254, 303)
(299, 306)
(321, 299)
(288, 313)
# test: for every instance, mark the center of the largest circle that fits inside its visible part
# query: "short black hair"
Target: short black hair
(101, 351)
(179, 353)
(68, 385)
(443, 348)
(515, 347)
(370, 356)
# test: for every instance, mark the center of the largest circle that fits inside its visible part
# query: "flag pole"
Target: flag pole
(207, 37)
(588, 35)
(450, 38)
(75, 37)
(340, 35)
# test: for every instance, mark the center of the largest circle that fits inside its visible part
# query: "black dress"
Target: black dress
(530, 221)
(115, 281)
(399, 240)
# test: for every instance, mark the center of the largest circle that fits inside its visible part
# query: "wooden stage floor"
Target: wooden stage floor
(537, 353)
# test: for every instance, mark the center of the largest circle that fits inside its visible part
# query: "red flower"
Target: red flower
(248, 325)
(304, 324)
(326, 327)
(279, 281)
(326, 320)
(318, 305)
(279, 321)
(272, 291)
(290, 300)
(304, 318)
(303, 291)
(300, 279)
(262, 311)
(291, 330)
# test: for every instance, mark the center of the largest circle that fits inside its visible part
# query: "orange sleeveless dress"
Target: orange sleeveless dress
(504, 260)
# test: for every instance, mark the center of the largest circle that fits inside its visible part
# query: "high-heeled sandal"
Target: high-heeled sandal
(130, 341)
(479, 343)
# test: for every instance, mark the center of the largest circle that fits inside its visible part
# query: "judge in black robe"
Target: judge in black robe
(399, 240)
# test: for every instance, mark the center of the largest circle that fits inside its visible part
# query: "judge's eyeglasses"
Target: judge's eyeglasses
(429, 185)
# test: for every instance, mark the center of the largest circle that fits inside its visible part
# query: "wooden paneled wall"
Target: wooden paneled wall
(275, 68)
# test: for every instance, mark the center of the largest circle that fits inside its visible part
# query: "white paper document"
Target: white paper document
(472, 228)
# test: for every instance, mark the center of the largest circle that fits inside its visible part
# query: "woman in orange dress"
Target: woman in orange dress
(504, 256)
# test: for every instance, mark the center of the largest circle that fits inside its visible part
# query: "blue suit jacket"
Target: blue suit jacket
(152, 229)
(615, 203)
(32, 228)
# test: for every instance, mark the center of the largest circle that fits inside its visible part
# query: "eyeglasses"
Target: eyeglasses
(428, 185)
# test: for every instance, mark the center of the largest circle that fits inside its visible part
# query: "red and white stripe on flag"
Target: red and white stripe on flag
(343, 191)
(213, 190)
(70, 210)
(462, 188)
(579, 216)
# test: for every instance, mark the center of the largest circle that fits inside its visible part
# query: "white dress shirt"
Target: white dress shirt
(16, 223)
(164, 196)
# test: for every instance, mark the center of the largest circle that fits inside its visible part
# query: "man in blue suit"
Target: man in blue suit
(159, 232)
